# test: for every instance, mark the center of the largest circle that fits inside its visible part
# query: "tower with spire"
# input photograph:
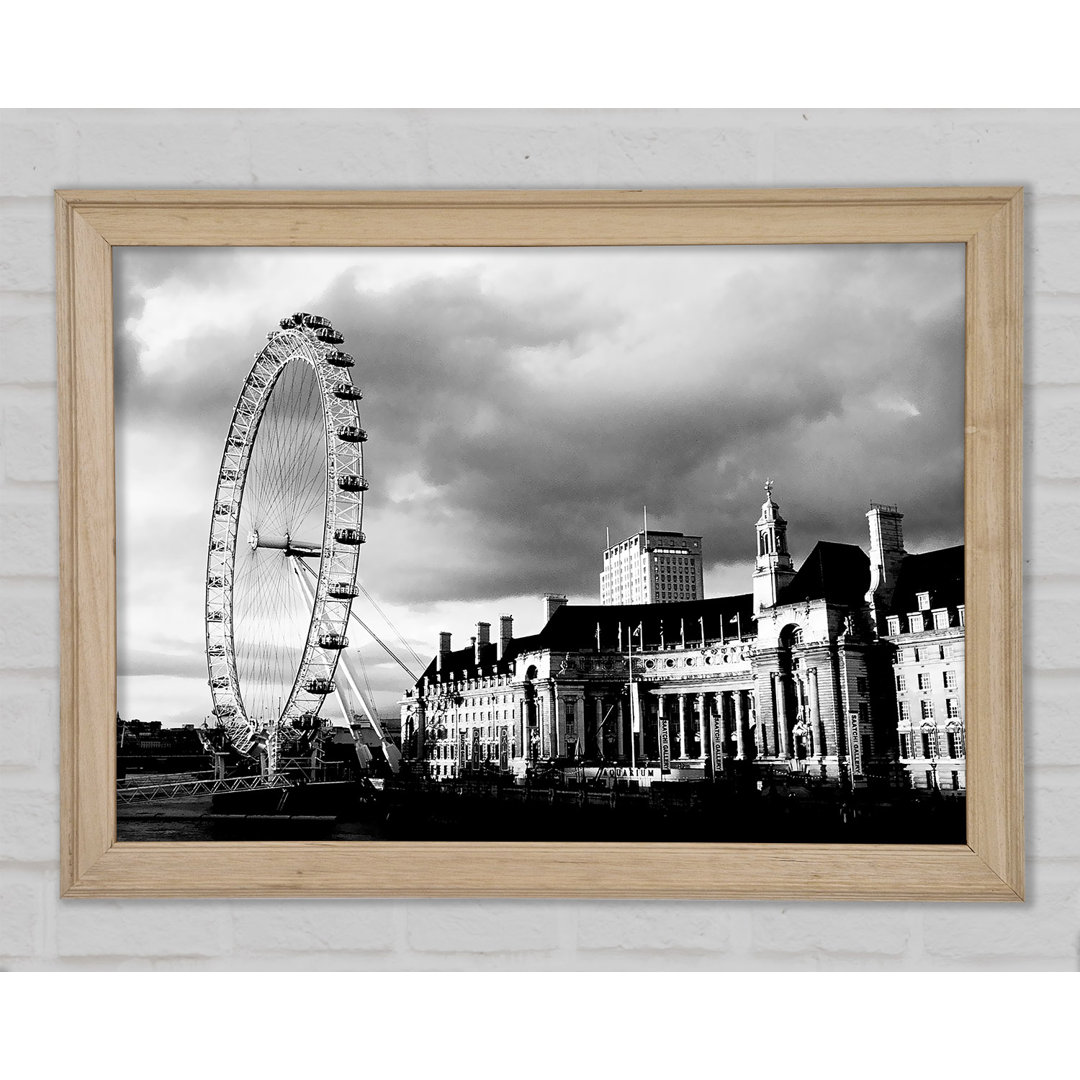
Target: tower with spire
(773, 569)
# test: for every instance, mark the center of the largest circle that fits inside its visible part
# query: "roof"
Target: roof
(573, 628)
(940, 573)
(838, 573)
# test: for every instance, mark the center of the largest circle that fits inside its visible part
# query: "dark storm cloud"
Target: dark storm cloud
(510, 424)
(814, 383)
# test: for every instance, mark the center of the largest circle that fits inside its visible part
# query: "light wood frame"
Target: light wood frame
(988, 220)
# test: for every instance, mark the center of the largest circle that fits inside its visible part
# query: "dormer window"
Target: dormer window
(922, 601)
(915, 622)
(941, 618)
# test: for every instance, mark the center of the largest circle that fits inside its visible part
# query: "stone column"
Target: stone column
(619, 729)
(595, 745)
(554, 725)
(706, 734)
(740, 725)
(781, 716)
(682, 727)
(759, 731)
(815, 706)
(704, 744)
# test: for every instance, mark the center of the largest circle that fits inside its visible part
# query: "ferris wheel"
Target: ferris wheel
(285, 537)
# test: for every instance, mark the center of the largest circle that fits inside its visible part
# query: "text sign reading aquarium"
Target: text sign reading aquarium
(642, 774)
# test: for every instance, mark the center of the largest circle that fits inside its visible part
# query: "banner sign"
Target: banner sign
(856, 744)
(462, 748)
(665, 745)
(619, 772)
(718, 740)
(635, 711)
(504, 749)
(476, 746)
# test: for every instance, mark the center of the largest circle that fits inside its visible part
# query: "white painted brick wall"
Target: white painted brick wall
(47, 149)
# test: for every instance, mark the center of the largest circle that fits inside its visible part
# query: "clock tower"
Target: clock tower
(773, 569)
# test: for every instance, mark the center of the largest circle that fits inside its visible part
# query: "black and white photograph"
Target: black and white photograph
(643, 544)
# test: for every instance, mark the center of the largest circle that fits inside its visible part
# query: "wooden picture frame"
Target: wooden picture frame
(990, 866)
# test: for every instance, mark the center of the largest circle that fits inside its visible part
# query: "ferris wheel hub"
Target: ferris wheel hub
(302, 549)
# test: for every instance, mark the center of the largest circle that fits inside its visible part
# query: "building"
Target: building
(926, 633)
(818, 670)
(652, 568)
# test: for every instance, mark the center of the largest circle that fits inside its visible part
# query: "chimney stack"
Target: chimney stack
(483, 637)
(506, 634)
(886, 554)
(552, 603)
(444, 651)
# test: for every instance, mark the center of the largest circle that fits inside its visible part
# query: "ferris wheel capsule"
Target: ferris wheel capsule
(352, 537)
(351, 433)
(342, 590)
(351, 482)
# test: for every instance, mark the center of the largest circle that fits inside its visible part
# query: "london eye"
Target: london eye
(285, 537)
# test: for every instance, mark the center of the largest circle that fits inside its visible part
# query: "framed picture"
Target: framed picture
(735, 474)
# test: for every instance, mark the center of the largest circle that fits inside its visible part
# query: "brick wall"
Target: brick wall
(43, 150)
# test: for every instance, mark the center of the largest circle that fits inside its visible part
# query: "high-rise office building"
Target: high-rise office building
(652, 567)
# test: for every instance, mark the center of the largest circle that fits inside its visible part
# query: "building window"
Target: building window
(892, 625)
(960, 614)
(955, 738)
(922, 600)
(955, 781)
(929, 742)
(905, 745)
(941, 619)
(952, 707)
(860, 684)
(949, 678)
(901, 684)
(924, 680)
(905, 711)
(927, 709)
(915, 622)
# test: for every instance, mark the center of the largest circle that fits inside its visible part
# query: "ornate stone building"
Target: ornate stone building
(818, 670)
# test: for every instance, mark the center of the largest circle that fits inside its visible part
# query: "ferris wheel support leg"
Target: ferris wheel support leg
(389, 748)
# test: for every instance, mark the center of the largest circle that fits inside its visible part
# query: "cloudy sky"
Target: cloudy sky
(519, 402)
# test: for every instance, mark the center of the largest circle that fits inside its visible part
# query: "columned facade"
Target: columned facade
(849, 670)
